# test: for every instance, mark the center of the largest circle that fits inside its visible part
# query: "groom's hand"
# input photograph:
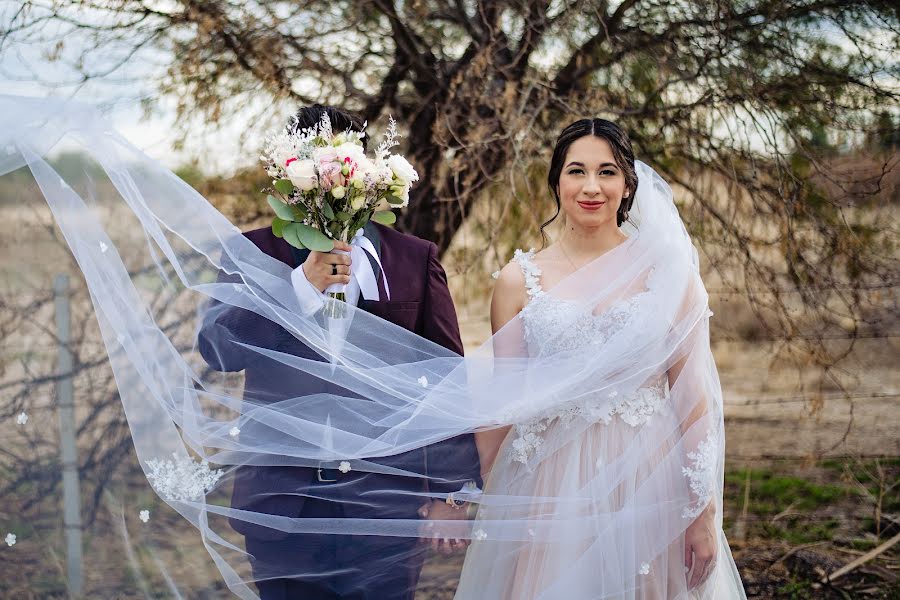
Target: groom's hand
(435, 512)
(320, 266)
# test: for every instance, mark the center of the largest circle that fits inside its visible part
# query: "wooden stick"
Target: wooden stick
(862, 559)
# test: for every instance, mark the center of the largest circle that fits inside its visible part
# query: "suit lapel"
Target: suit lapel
(300, 256)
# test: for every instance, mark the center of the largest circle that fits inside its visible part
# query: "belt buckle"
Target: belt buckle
(321, 479)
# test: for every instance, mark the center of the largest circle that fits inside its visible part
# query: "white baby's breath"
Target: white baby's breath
(144, 516)
(423, 381)
(234, 431)
(344, 467)
(645, 569)
(479, 534)
(10, 539)
(22, 418)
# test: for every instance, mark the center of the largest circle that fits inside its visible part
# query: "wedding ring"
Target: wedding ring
(334, 269)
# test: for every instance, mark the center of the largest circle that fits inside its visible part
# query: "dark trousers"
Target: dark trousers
(337, 567)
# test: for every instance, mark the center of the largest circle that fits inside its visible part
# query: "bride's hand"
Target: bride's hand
(700, 547)
(434, 512)
(320, 267)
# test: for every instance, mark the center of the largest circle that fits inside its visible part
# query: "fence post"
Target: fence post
(68, 451)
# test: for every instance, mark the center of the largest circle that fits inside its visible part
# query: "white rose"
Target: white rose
(302, 174)
(338, 191)
(352, 151)
(402, 169)
(358, 202)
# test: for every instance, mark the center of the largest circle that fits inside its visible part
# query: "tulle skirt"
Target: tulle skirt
(619, 482)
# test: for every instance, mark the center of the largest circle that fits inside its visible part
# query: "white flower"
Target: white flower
(234, 431)
(10, 539)
(144, 516)
(344, 467)
(355, 153)
(423, 381)
(401, 191)
(338, 191)
(401, 168)
(645, 569)
(103, 247)
(495, 274)
(181, 479)
(358, 202)
(22, 418)
(302, 174)
(479, 534)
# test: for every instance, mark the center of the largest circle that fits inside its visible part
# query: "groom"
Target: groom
(317, 566)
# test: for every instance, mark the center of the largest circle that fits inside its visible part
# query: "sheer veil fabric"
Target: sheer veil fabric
(608, 380)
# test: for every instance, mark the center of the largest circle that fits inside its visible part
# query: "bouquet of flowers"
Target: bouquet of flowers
(325, 188)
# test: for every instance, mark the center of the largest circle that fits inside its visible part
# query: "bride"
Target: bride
(617, 460)
(596, 404)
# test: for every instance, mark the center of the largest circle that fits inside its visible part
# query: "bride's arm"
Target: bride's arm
(696, 392)
(506, 303)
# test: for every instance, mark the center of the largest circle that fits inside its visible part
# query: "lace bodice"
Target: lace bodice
(552, 325)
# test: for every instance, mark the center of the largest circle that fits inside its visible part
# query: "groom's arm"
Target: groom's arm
(453, 462)
(224, 327)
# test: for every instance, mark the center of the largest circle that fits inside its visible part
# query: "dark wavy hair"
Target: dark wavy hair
(622, 151)
(341, 120)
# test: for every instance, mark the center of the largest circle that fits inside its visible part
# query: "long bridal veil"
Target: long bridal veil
(187, 306)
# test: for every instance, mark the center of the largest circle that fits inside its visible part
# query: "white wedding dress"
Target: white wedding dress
(576, 459)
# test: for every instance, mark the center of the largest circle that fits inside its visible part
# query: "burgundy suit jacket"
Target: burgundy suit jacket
(420, 302)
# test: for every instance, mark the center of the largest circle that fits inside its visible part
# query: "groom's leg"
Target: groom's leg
(300, 565)
(385, 568)
(382, 567)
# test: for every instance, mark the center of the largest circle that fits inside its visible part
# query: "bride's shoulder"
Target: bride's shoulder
(511, 278)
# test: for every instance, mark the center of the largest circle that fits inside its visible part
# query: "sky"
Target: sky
(25, 71)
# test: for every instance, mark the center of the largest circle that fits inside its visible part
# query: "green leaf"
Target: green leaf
(327, 211)
(392, 199)
(385, 217)
(343, 216)
(289, 233)
(335, 227)
(300, 211)
(284, 186)
(312, 238)
(278, 226)
(281, 209)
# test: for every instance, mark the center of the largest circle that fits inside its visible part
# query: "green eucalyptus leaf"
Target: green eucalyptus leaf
(385, 217)
(327, 211)
(313, 238)
(343, 216)
(300, 212)
(278, 226)
(289, 233)
(281, 209)
(284, 186)
(392, 199)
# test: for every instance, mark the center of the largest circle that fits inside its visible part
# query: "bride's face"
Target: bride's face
(591, 185)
